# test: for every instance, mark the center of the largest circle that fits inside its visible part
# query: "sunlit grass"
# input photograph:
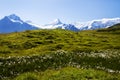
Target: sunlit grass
(44, 41)
(69, 73)
(43, 54)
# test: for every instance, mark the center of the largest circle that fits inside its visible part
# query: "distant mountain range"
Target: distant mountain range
(97, 24)
(58, 24)
(13, 23)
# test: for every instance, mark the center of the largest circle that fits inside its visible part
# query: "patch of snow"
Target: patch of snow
(21, 22)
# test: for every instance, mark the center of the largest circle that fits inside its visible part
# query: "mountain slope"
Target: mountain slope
(13, 23)
(41, 50)
(42, 41)
(58, 24)
(115, 28)
(77, 26)
(97, 24)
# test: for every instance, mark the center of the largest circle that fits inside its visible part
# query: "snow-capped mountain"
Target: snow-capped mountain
(13, 23)
(97, 24)
(58, 24)
(77, 26)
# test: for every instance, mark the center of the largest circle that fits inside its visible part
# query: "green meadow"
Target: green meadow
(61, 55)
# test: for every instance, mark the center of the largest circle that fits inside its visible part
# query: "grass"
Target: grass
(69, 73)
(51, 54)
(45, 41)
(108, 61)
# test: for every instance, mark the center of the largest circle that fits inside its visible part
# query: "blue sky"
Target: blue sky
(44, 11)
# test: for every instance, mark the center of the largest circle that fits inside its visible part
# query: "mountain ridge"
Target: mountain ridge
(13, 23)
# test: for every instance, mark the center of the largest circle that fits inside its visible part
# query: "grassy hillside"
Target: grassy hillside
(111, 29)
(45, 41)
(39, 52)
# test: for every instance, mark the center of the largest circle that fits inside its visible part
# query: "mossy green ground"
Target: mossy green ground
(69, 73)
(49, 51)
(45, 41)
